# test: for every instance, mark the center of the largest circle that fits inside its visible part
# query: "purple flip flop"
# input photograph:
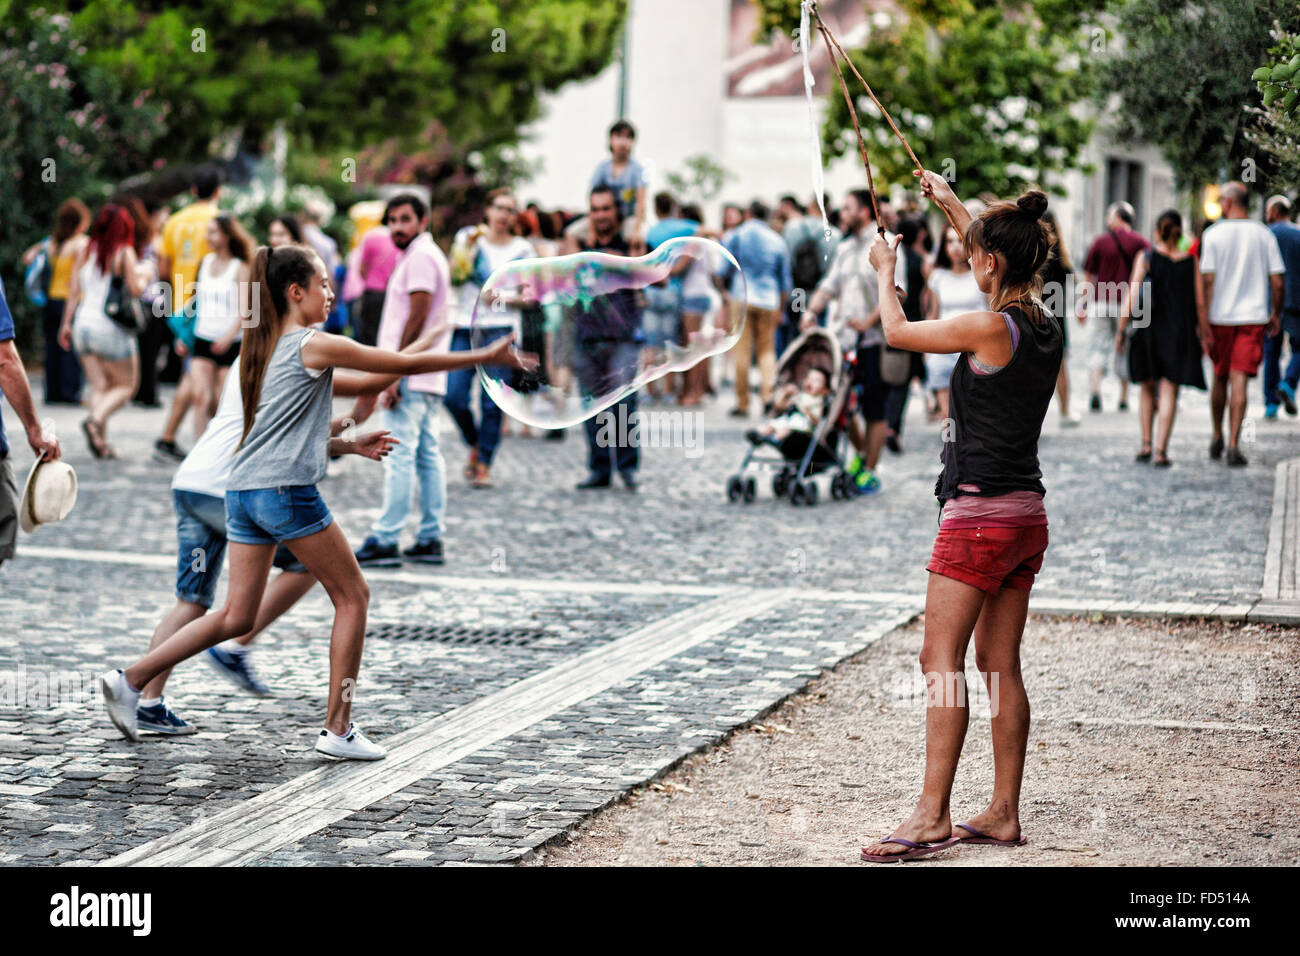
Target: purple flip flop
(915, 850)
(983, 839)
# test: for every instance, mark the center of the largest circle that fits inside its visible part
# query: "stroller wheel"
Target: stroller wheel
(751, 490)
(778, 485)
(810, 494)
(837, 491)
(796, 493)
(735, 488)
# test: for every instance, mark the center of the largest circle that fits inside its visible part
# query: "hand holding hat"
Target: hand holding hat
(48, 495)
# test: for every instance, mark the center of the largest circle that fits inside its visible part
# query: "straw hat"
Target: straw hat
(48, 495)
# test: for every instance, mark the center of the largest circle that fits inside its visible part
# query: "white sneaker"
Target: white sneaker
(1072, 421)
(354, 745)
(121, 702)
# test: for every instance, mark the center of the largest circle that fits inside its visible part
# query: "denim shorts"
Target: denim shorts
(267, 515)
(201, 546)
(697, 304)
(660, 328)
(108, 342)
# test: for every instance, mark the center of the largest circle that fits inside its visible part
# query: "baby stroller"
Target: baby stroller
(801, 456)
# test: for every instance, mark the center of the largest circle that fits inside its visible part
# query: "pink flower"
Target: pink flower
(62, 141)
(40, 69)
(158, 163)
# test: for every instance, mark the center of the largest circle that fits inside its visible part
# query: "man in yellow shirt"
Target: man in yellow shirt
(184, 244)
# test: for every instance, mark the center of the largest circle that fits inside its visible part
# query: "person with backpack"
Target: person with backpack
(49, 272)
(1107, 269)
(811, 250)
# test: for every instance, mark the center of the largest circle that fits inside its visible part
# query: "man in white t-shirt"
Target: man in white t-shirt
(1241, 303)
(851, 285)
(477, 252)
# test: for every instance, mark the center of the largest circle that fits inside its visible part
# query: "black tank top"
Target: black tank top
(992, 441)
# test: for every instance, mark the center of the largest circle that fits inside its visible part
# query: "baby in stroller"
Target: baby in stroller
(795, 411)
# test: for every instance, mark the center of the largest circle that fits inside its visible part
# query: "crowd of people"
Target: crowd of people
(239, 319)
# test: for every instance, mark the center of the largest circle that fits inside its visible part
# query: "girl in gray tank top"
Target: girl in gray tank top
(286, 381)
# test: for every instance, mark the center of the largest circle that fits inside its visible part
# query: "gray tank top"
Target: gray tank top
(289, 441)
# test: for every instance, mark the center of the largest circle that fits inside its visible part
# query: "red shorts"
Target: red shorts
(1237, 348)
(990, 558)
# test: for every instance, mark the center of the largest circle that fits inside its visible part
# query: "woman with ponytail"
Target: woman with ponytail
(992, 526)
(286, 377)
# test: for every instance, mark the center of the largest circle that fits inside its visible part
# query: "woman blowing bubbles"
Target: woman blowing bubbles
(993, 527)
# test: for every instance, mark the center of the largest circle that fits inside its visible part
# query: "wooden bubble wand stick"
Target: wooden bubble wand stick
(833, 47)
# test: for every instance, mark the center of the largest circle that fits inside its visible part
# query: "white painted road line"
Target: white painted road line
(496, 583)
(255, 828)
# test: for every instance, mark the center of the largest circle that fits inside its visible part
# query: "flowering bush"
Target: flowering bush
(69, 130)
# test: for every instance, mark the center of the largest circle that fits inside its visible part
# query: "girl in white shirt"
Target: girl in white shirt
(221, 302)
(955, 293)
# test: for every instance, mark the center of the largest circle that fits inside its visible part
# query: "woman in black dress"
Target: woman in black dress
(1164, 352)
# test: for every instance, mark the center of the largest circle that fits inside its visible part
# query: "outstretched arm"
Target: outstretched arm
(324, 350)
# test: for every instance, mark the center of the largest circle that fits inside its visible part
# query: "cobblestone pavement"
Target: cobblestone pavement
(750, 602)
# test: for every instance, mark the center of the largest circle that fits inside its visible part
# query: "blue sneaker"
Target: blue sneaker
(1270, 413)
(867, 482)
(161, 719)
(1287, 394)
(238, 669)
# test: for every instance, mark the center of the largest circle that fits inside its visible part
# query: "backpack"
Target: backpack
(806, 266)
(36, 280)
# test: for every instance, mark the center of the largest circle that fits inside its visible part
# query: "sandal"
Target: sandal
(1162, 460)
(94, 437)
(914, 849)
(1144, 454)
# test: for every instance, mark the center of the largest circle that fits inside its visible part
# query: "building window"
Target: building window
(1124, 184)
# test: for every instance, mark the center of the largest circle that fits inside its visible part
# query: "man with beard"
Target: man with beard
(607, 336)
(415, 303)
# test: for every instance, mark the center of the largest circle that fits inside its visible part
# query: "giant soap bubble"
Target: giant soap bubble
(597, 320)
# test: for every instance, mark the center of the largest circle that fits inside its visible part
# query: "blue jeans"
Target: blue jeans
(1272, 361)
(460, 383)
(200, 545)
(413, 422)
(603, 365)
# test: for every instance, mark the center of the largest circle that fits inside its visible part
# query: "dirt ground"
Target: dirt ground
(1152, 743)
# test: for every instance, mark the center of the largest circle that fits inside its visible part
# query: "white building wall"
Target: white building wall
(676, 98)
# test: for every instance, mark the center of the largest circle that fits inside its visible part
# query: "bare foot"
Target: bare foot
(917, 829)
(998, 823)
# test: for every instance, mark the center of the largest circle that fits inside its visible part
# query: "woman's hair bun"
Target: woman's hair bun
(1033, 203)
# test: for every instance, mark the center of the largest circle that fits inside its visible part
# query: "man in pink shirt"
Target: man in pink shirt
(378, 259)
(415, 302)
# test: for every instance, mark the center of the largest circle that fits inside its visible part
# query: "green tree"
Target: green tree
(69, 129)
(984, 92)
(343, 73)
(1183, 81)
(700, 181)
(1276, 127)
